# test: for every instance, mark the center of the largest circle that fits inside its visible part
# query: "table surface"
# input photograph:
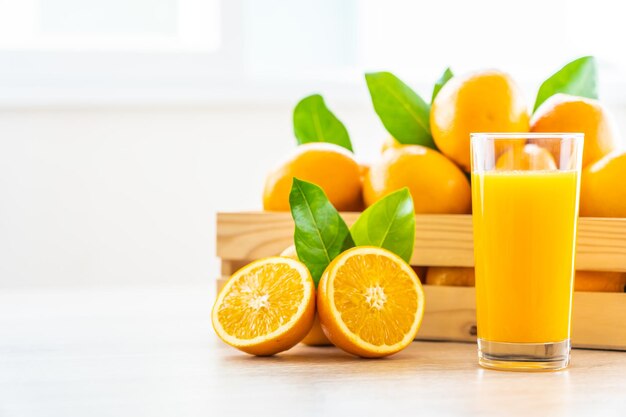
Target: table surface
(151, 352)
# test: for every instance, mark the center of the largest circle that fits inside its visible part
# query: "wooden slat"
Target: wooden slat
(599, 320)
(253, 235)
(441, 240)
(601, 244)
(450, 315)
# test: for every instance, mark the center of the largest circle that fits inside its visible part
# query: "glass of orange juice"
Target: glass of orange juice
(525, 191)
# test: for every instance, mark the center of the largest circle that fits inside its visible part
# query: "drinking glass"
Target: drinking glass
(525, 190)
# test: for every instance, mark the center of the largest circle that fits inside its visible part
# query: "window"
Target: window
(68, 51)
(140, 25)
(530, 39)
(85, 51)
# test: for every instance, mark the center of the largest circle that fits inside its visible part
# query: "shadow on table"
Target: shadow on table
(331, 359)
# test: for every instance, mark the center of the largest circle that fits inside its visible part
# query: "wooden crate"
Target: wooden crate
(598, 319)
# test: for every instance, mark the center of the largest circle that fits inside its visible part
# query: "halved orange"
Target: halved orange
(266, 307)
(370, 302)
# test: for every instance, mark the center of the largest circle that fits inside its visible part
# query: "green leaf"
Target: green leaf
(403, 113)
(578, 78)
(445, 77)
(321, 233)
(314, 122)
(389, 224)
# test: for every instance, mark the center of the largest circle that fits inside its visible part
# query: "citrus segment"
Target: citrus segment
(266, 307)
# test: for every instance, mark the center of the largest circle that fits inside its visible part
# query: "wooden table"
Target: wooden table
(151, 352)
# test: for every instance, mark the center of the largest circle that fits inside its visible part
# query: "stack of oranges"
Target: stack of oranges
(483, 101)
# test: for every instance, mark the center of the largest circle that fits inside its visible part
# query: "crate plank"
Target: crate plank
(601, 244)
(441, 240)
(599, 320)
(449, 314)
(253, 235)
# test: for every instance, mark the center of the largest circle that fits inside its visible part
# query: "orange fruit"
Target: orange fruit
(484, 101)
(329, 166)
(370, 302)
(600, 281)
(316, 336)
(565, 113)
(451, 276)
(290, 252)
(509, 145)
(602, 190)
(528, 157)
(436, 184)
(266, 307)
(390, 142)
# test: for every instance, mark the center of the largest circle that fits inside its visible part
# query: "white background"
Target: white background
(116, 150)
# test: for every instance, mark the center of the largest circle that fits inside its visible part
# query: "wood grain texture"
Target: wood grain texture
(598, 319)
(144, 351)
(449, 314)
(441, 240)
(601, 244)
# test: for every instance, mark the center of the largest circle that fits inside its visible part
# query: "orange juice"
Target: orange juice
(524, 237)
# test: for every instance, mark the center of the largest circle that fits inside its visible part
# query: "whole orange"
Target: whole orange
(329, 166)
(599, 281)
(484, 101)
(565, 113)
(524, 158)
(602, 190)
(450, 276)
(435, 183)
